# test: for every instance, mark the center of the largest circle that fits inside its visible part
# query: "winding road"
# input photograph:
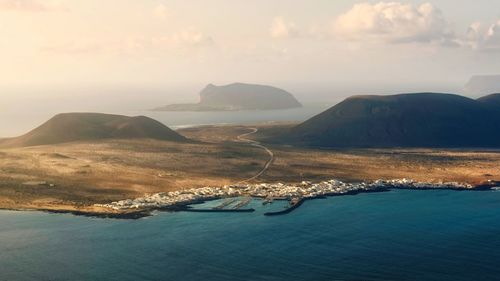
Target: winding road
(242, 138)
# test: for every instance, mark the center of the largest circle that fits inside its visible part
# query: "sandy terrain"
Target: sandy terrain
(74, 176)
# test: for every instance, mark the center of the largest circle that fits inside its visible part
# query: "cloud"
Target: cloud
(97, 46)
(184, 38)
(161, 11)
(394, 22)
(74, 47)
(30, 6)
(283, 29)
(484, 37)
(187, 39)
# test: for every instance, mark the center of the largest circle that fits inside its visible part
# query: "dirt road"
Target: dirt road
(242, 138)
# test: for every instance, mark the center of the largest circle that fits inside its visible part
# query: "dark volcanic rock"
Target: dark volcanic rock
(238, 96)
(406, 120)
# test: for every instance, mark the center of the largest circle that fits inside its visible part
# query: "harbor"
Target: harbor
(294, 204)
(229, 205)
(237, 197)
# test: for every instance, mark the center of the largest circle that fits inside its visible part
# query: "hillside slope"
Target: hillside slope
(406, 120)
(492, 101)
(68, 127)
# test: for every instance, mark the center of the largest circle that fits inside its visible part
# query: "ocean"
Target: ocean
(26, 120)
(397, 235)
(24, 110)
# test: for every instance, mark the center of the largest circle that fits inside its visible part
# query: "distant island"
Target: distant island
(481, 85)
(68, 127)
(405, 120)
(238, 96)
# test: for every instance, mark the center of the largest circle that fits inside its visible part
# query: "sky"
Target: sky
(156, 43)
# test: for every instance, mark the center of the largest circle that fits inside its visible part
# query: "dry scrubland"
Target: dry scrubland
(87, 173)
(295, 164)
(74, 176)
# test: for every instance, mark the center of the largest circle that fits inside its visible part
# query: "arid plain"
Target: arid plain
(74, 176)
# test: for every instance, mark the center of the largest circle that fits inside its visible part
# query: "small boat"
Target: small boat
(268, 200)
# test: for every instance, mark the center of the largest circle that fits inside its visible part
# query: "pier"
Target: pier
(219, 210)
(226, 203)
(243, 203)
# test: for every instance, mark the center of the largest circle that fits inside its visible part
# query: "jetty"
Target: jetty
(243, 203)
(219, 210)
(226, 203)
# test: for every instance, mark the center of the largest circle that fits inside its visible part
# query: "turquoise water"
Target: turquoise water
(398, 235)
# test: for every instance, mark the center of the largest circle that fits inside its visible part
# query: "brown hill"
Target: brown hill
(69, 127)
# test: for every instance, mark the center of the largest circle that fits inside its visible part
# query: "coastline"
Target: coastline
(71, 177)
(99, 211)
(92, 214)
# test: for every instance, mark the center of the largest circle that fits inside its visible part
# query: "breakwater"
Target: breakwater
(301, 201)
(287, 210)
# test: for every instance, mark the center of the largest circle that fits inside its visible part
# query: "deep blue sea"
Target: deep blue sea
(398, 235)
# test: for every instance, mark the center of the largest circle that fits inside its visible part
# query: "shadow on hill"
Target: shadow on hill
(70, 127)
(406, 120)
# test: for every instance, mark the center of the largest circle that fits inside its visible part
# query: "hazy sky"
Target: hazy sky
(154, 42)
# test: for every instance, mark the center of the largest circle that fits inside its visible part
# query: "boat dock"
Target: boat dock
(219, 210)
(226, 203)
(243, 203)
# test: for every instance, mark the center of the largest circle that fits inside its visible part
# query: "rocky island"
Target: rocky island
(238, 96)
